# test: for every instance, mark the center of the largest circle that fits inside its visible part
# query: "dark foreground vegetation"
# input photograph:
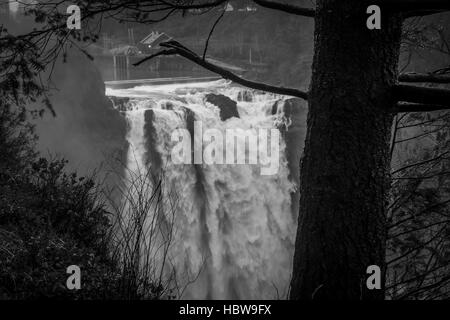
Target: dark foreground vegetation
(48, 220)
(51, 219)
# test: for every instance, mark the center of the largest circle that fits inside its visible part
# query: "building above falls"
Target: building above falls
(153, 40)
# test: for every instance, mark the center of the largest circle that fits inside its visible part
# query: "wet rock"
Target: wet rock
(275, 107)
(228, 107)
(153, 158)
(168, 105)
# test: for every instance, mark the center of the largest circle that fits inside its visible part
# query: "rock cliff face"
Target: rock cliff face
(87, 130)
(228, 107)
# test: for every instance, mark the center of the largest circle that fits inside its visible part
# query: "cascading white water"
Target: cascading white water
(234, 227)
(135, 138)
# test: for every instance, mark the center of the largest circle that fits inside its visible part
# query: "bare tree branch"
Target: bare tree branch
(211, 32)
(176, 48)
(421, 13)
(412, 8)
(201, 5)
(418, 107)
(160, 53)
(424, 77)
(421, 163)
(422, 97)
(414, 5)
(289, 8)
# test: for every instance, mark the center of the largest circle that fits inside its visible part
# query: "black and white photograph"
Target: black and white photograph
(236, 150)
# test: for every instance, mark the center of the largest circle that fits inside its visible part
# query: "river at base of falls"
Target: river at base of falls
(234, 228)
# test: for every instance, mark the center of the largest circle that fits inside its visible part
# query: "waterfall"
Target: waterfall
(235, 228)
(135, 138)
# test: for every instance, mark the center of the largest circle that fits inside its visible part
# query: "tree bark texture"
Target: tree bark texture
(345, 167)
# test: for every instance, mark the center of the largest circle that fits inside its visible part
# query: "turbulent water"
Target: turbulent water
(234, 228)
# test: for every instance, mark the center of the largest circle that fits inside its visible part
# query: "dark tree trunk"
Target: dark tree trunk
(345, 169)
